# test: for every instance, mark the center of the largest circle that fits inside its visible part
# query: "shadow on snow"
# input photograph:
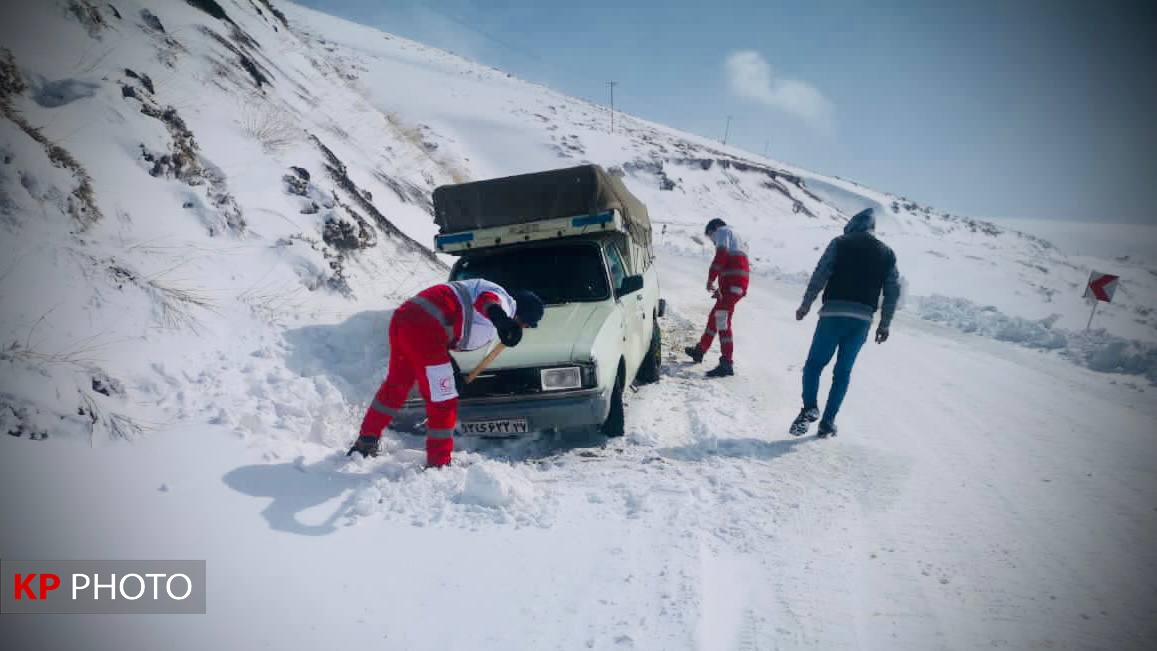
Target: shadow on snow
(296, 487)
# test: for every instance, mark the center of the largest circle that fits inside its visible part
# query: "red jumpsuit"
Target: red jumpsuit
(422, 332)
(731, 267)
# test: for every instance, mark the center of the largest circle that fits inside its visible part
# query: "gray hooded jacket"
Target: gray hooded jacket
(853, 272)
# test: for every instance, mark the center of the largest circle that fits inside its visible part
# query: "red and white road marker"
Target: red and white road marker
(1100, 287)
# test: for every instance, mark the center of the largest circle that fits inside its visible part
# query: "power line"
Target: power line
(612, 85)
(574, 72)
(528, 54)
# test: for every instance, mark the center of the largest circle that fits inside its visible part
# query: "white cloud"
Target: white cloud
(749, 76)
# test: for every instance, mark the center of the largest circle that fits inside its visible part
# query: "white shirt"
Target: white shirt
(477, 330)
(725, 238)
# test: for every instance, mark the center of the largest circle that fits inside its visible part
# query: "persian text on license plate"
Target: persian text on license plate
(495, 427)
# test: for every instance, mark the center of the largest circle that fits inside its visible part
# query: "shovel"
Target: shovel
(490, 357)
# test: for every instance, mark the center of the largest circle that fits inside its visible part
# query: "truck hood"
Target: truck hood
(565, 334)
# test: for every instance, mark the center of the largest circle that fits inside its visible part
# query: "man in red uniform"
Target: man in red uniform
(731, 268)
(458, 315)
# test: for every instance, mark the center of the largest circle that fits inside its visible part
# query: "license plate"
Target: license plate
(501, 427)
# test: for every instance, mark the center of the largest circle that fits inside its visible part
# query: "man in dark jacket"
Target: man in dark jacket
(853, 271)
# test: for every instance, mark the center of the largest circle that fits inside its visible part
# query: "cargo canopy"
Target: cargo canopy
(572, 192)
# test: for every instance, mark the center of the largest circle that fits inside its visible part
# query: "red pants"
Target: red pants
(418, 352)
(719, 321)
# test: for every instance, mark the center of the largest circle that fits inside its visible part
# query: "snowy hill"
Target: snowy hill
(209, 208)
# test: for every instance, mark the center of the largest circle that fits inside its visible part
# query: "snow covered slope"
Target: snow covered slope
(208, 210)
(175, 185)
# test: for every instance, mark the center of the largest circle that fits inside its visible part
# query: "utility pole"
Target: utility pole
(766, 145)
(612, 85)
(727, 129)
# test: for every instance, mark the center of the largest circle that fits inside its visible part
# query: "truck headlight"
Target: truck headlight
(557, 379)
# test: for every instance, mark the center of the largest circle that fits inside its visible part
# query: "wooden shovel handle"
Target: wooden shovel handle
(485, 362)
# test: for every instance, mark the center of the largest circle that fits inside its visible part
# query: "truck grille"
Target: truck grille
(507, 382)
(504, 382)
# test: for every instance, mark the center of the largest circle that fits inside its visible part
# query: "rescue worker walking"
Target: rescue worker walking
(852, 272)
(459, 315)
(732, 269)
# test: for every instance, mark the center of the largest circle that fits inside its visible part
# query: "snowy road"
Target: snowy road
(979, 495)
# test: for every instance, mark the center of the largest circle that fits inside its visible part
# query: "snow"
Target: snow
(1106, 241)
(194, 364)
(707, 527)
(1095, 349)
(496, 486)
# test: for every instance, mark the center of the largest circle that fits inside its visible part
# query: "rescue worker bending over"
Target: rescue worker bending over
(460, 315)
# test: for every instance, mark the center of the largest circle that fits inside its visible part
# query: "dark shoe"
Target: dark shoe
(368, 446)
(725, 369)
(807, 416)
(826, 430)
(694, 353)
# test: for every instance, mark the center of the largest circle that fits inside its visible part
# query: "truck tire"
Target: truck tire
(649, 370)
(615, 424)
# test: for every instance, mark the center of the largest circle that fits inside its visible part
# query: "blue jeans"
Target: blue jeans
(833, 332)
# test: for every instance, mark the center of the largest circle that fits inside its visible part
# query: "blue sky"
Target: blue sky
(991, 109)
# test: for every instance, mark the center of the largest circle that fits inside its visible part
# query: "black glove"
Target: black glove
(367, 445)
(509, 332)
(459, 378)
(881, 334)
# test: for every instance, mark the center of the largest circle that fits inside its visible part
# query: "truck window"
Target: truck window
(558, 274)
(617, 268)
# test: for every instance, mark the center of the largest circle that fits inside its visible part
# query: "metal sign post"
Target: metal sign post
(1090, 323)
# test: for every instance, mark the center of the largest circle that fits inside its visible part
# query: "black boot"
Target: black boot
(694, 353)
(826, 430)
(725, 369)
(807, 416)
(368, 446)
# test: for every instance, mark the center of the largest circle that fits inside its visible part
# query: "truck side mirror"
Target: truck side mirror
(629, 285)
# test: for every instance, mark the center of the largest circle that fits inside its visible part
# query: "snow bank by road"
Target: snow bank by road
(1095, 349)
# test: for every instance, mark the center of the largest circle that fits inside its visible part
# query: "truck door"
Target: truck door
(634, 314)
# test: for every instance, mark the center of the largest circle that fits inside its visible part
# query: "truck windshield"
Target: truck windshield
(558, 274)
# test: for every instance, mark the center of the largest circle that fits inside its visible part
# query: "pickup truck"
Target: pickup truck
(582, 242)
